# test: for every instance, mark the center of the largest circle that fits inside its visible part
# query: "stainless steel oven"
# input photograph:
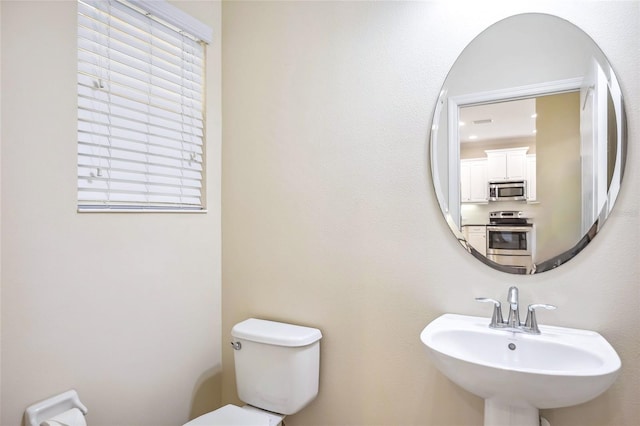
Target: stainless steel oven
(514, 240)
(510, 239)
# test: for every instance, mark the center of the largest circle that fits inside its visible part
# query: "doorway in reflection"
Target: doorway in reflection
(536, 141)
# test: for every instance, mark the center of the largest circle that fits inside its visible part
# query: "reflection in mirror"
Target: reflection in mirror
(527, 144)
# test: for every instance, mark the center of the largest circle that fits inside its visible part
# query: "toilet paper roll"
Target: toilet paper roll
(73, 417)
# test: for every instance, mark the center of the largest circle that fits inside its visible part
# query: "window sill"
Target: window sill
(164, 211)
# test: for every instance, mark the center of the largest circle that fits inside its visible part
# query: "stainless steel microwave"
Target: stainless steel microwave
(508, 191)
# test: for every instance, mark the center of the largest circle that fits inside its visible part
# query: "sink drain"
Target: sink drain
(512, 346)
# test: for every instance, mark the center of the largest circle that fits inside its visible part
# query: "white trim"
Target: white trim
(137, 210)
(175, 16)
(453, 120)
(519, 92)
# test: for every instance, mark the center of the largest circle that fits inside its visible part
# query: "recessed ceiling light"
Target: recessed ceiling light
(472, 137)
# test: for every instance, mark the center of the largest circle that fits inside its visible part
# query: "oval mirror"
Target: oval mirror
(528, 143)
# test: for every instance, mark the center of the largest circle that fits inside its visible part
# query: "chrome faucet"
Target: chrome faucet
(513, 320)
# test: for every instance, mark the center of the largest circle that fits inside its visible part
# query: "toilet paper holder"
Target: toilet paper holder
(43, 410)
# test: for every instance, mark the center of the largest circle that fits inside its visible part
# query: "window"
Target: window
(140, 107)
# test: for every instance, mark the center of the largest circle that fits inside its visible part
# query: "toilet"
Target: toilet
(277, 373)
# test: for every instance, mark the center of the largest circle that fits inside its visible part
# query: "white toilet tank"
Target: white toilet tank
(277, 365)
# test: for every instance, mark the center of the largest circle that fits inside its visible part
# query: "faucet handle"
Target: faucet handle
(496, 318)
(531, 322)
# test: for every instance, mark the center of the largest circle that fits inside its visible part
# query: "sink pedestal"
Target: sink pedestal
(503, 413)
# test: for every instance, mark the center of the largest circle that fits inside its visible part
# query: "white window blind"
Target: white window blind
(140, 110)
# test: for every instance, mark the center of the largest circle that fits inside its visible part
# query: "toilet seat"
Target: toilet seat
(230, 415)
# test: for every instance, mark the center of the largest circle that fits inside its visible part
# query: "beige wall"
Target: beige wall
(330, 219)
(123, 307)
(559, 183)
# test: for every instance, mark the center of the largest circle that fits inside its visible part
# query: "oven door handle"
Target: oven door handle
(509, 228)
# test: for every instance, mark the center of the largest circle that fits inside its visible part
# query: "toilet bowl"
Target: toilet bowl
(277, 369)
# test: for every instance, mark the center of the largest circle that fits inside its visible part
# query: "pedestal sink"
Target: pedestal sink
(517, 373)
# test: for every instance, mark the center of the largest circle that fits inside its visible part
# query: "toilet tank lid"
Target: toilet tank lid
(275, 333)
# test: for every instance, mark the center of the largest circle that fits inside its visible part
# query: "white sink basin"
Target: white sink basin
(557, 368)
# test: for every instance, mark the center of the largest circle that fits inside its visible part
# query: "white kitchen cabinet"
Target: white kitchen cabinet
(476, 236)
(507, 164)
(473, 180)
(531, 178)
